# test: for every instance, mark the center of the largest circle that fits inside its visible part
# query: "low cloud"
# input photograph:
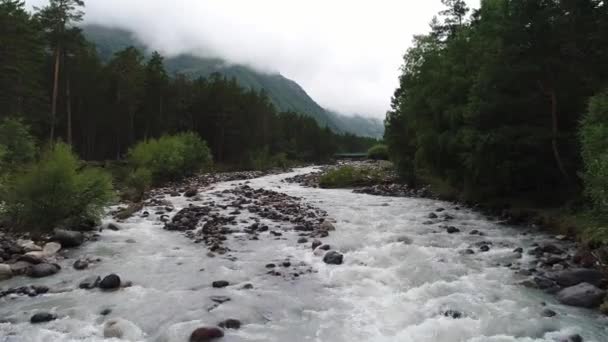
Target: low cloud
(345, 53)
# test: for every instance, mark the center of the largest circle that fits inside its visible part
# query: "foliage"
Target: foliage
(18, 144)
(351, 176)
(170, 157)
(262, 160)
(138, 182)
(594, 143)
(378, 152)
(56, 191)
(21, 62)
(490, 103)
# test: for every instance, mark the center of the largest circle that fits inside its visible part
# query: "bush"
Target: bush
(138, 182)
(349, 176)
(262, 160)
(378, 152)
(55, 191)
(18, 144)
(594, 145)
(171, 156)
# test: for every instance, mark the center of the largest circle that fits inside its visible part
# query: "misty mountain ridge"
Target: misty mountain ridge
(286, 94)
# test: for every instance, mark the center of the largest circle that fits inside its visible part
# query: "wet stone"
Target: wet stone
(110, 282)
(230, 324)
(42, 317)
(220, 284)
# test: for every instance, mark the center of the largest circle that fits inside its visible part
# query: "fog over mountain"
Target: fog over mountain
(346, 54)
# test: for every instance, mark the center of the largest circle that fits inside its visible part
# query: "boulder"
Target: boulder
(21, 267)
(110, 282)
(43, 270)
(327, 226)
(230, 324)
(206, 334)
(68, 238)
(315, 244)
(576, 276)
(51, 249)
(32, 257)
(122, 329)
(28, 246)
(42, 317)
(113, 226)
(80, 264)
(6, 271)
(452, 230)
(302, 240)
(90, 282)
(333, 258)
(551, 249)
(191, 192)
(582, 295)
(548, 313)
(220, 283)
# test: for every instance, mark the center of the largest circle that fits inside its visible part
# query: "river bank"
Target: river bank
(397, 277)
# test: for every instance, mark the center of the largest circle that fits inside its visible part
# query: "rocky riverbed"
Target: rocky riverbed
(267, 260)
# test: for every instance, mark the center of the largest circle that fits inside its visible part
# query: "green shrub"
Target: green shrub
(138, 182)
(56, 191)
(594, 145)
(262, 160)
(171, 156)
(378, 152)
(19, 145)
(350, 176)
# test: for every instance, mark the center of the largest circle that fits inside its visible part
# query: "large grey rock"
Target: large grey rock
(32, 257)
(327, 226)
(333, 258)
(206, 334)
(42, 317)
(43, 270)
(576, 276)
(28, 245)
(51, 249)
(110, 282)
(583, 295)
(68, 238)
(89, 282)
(5, 272)
(21, 267)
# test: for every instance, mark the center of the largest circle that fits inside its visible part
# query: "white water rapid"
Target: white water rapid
(386, 290)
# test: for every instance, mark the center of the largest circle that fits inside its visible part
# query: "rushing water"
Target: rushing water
(386, 290)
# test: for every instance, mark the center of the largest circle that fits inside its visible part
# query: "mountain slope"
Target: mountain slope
(285, 94)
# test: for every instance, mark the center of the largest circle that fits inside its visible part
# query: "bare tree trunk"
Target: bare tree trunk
(550, 93)
(69, 112)
(55, 93)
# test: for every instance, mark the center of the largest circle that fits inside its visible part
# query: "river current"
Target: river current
(386, 290)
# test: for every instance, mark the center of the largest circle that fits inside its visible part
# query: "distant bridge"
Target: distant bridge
(361, 155)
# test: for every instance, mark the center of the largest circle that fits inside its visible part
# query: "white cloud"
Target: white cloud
(345, 53)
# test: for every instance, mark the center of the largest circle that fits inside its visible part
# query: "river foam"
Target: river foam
(399, 278)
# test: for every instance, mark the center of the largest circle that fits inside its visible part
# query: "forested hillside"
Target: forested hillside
(490, 101)
(284, 93)
(102, 103)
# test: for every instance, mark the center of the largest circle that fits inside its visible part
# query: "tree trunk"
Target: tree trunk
(55, 92)
(550, 93)
(69, 111)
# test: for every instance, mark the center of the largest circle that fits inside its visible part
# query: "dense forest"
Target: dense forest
(53, 79)
(495, 102)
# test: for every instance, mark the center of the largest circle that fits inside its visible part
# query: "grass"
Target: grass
(350, 177)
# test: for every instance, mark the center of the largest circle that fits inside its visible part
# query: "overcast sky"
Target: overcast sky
(345, 53)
